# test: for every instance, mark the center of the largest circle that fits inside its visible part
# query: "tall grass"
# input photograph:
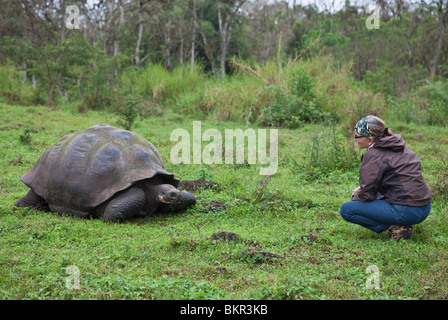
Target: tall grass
(427, 105)
(314, 90)
(283, 92)
(162, 86)
(14, 89)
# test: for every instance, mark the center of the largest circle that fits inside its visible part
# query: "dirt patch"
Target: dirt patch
(214, 206)
(253, 254)
(17, 161)
(194, 185)
(225, 236)
(11, 127)
(220, 270)
(258, 256)
(309, 238)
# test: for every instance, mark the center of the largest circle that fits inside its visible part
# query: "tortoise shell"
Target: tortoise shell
(84, 169)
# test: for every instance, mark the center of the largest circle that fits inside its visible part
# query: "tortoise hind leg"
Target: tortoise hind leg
(31, 200)
(126, 204)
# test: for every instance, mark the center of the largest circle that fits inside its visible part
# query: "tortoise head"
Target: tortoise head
(172, 199)
(168, 194)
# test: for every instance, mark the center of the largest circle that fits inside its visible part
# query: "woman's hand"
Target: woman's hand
(355, 191)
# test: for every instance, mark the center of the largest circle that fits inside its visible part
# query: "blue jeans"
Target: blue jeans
(378, 215)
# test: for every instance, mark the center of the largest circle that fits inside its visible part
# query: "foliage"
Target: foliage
(328, 151)
(441, 181)
(324, 36)
(204, 174)
(14, 90)
(153, 82)
(25, 138)
(292, 109)
(426, 105)
(96, 88)
(128, 111)
(433, 99)
(58, 64)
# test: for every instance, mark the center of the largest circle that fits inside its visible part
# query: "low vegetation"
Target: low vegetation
(292, 242)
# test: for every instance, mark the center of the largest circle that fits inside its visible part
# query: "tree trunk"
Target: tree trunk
(62, 21)
(117, 34)
(117, 38)
(223, 32)
(193, 39)
(140, 33)
(225, 23)
(208, 51)
(181, 51)
(443, 21)
(209, 54)
(167, 35)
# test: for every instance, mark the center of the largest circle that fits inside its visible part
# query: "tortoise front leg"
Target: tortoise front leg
(31, 200)
(126, 204)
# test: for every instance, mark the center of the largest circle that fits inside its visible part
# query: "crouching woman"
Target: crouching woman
(392, 194)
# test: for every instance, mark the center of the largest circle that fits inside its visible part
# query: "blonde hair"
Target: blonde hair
(378, 127)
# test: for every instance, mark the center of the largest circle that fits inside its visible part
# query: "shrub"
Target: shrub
(97, 88)
(290, 110)
(157, 84)
(328, 151)
(433, 99)
(440, 188)
(295, 103)
(25, 138)
(426, 105)
(130, 108)
(15, 89)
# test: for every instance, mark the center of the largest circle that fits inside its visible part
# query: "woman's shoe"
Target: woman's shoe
(400, 232)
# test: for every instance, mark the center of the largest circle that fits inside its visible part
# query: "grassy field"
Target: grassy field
(292, 242)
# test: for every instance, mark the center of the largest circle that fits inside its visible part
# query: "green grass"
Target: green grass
(171, 256)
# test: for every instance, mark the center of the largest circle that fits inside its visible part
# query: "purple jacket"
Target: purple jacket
(393, 172)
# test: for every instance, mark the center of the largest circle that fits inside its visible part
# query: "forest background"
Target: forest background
(191, 55)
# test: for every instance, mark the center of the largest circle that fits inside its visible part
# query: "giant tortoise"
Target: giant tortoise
(103, 172)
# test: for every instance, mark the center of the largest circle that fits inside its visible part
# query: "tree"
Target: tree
(140, 33)
(226, 13)
(57, 64)
(442, 13)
